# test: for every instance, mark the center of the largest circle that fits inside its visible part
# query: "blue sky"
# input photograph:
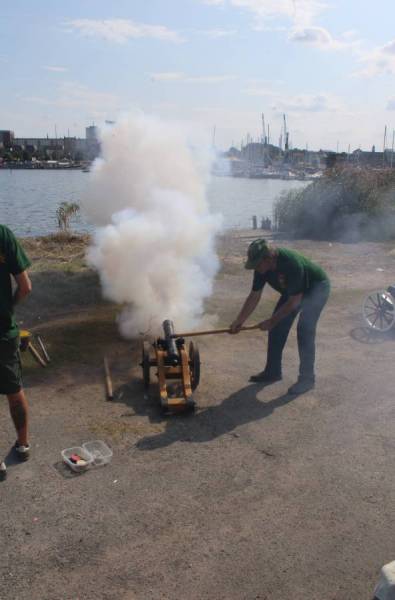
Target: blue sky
(328, 64)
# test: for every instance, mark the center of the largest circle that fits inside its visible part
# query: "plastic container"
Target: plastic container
(100, 452)
(80, 451)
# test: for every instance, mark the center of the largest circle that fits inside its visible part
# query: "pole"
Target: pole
(108, 381)
(392, 150)
(212, 332)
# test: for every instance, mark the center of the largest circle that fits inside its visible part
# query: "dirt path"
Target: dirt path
(257, 495)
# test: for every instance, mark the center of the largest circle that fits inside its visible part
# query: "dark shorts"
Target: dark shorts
(10, 367)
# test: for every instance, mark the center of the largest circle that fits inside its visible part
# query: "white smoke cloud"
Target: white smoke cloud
(154, 249)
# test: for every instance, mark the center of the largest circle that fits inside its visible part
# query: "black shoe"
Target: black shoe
(301, 386)
(264, 377)
(3, 471)
(22, 452)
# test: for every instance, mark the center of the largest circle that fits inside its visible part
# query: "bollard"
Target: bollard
(254, 222)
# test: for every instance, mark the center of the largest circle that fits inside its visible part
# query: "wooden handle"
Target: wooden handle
(108, 381)
(212, 331)
(36, 355)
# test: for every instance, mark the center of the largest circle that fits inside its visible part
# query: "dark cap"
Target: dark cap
(257, 251)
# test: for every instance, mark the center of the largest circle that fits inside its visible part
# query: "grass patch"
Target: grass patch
(83, 342)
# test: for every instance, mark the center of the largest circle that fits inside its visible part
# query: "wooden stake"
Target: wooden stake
(43, 349)
(212, 331)
(36, 355)
(109, 390)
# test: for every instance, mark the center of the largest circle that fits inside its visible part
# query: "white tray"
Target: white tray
(96, 454)
(68, 452)
(99, 451)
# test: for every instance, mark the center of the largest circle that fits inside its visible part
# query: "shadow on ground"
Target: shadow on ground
(207, 424)
(366, 335)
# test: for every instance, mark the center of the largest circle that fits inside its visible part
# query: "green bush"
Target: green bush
(346, 204)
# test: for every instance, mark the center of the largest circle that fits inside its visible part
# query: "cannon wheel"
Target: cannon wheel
(379, 310)
(145, 363)
(194, 365)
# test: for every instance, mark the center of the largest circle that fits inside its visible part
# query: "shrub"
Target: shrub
(347, 204)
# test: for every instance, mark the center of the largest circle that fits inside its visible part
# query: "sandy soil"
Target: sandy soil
(258, 495)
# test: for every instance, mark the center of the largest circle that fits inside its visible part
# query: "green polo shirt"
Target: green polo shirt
(294, 274)
(13, 261)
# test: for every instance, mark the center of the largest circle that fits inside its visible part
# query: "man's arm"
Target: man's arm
(289, 306)
(248, 308)
(24, 286)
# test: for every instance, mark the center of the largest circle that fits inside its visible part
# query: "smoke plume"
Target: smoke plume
(154, 242)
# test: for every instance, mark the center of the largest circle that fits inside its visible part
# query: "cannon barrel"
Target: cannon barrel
(172, 352)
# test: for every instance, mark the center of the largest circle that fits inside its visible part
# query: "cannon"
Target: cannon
(178, 369)
(378, 309)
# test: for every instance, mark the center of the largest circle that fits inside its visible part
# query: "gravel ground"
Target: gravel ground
(258, 495)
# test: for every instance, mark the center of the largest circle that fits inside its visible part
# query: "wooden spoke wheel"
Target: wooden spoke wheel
(379, 310)
(194, 365)
(145, 363)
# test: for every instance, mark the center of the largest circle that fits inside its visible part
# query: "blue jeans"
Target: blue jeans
(310, 309)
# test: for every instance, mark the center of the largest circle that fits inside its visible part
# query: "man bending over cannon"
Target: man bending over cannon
(13, 264)
(304, 288)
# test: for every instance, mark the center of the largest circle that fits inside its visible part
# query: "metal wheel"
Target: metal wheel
(379, 310)
(194, 364)
(145, 363)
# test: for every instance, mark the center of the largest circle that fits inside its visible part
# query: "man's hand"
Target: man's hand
(235, 327)
(266, 325)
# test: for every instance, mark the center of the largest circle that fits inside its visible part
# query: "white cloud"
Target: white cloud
(298, 11)
(55, 69)
(121, 30)
(218, 33)
(301, 15)
(179, 77)
(74, 95)
(380, 61)
(319, 38)
(391, 104)
(313, 103)
(262, 87)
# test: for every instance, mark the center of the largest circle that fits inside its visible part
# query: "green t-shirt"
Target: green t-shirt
(13, 261)
(294, 274)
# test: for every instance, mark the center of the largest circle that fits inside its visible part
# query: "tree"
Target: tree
(65, 211)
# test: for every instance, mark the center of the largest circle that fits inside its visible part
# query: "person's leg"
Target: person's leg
(276, 341)
(11, 386)
(19, 412)
(312, 306)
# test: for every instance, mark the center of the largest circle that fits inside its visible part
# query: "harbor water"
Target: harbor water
(29, 199)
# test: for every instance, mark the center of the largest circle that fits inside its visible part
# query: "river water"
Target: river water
(29, 199)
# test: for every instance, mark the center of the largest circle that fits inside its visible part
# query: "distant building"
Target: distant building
(92, 133)
(71, 148)
(6, 138)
